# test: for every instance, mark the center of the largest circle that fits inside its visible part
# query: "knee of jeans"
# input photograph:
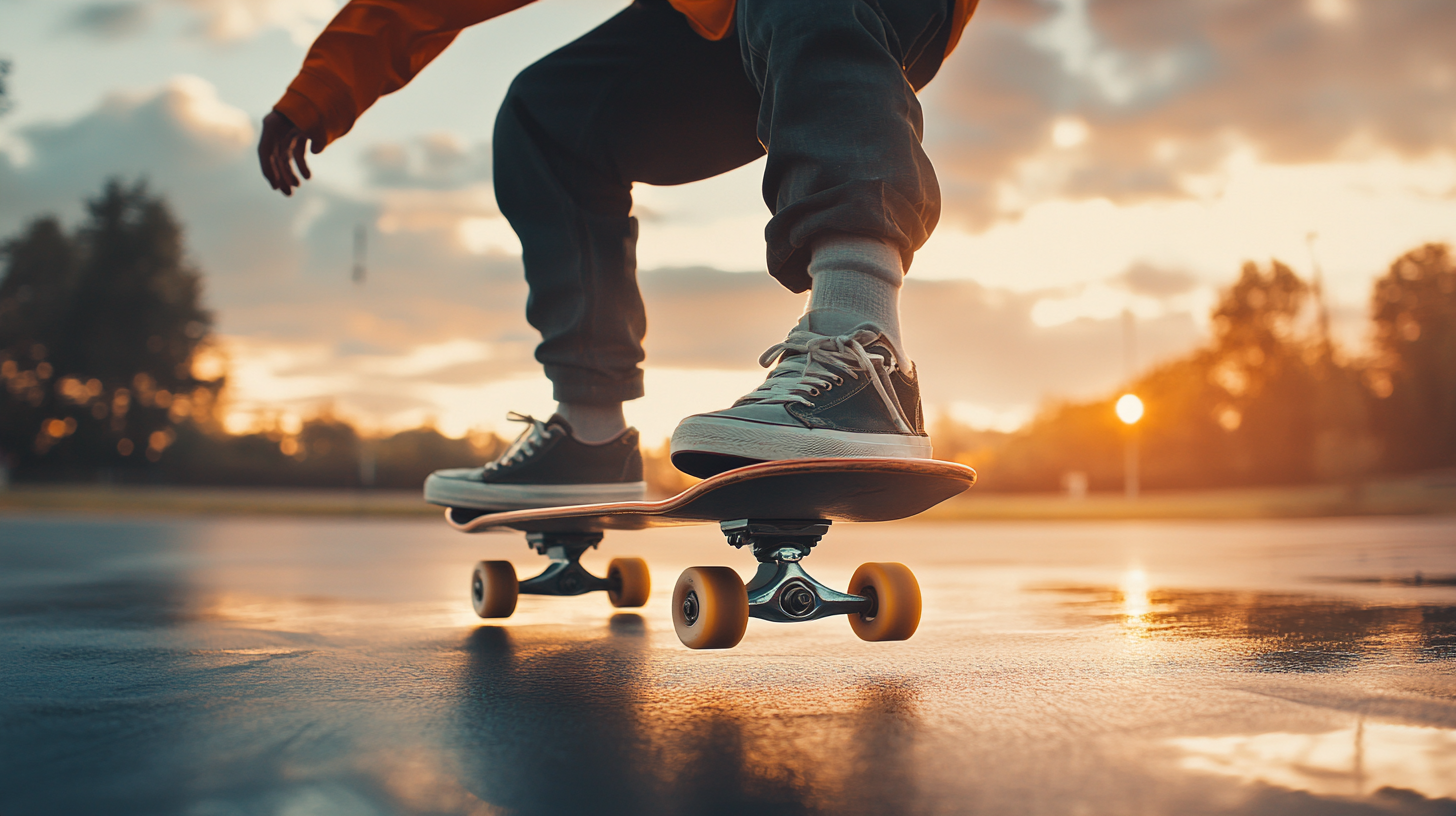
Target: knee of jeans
(516, 124)
(523, 88)
(540, 85)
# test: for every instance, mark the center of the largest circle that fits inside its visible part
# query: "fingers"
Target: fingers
(290, 179)
(280, 145)
(278, 170)
(300, 152)
(265, 160)
(275, 175)
(286, 180)
(273, 165)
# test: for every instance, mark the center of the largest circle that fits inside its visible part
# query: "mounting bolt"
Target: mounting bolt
(797, 600)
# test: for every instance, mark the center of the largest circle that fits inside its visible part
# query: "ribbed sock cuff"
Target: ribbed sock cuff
(857, 280)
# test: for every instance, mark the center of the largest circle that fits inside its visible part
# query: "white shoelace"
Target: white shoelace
(525, 444)
(803, 371)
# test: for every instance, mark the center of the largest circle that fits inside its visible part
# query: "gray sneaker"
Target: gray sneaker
(828, 397)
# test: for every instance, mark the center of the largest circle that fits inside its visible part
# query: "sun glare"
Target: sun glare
(1135, 601)
(1129, 408)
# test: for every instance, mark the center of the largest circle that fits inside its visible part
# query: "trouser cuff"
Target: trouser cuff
(589, 388)
(871, 209)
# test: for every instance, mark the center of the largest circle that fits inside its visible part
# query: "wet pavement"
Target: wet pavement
(283, 666)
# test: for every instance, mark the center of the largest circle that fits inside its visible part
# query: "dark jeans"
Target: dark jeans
(827, 86)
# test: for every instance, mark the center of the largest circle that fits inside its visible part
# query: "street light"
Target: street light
(1130, 410)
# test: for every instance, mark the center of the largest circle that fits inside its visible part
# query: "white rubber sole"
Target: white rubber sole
(483, 496)
(766, 442)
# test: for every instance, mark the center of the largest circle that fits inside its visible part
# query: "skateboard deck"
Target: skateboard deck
(834, 489)
(777, 510)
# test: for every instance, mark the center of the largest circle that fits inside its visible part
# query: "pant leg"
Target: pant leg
(841, 122)
(642, 98)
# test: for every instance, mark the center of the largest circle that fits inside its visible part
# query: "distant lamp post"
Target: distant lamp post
(1130, 410)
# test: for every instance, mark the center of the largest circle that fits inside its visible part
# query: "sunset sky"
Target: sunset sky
(1095, 156)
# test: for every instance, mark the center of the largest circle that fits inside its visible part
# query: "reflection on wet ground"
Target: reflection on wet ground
(240, 666)
(1275, 632)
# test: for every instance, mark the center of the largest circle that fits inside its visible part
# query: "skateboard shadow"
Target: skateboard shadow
(562, 722)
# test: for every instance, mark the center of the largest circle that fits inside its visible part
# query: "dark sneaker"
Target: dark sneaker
(545, 467)
(828, 396)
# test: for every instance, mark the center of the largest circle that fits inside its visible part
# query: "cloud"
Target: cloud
(437, 327)
(976, 344)
(181, 133)
(1161, 96)
(278, 271)
(1144, 278)
(229, 20)
(108, 21)
(436, 161)
(217, 21)
(698, 317)
(983, 346)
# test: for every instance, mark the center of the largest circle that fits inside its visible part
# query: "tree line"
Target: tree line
(102, 328)
(1268, 400)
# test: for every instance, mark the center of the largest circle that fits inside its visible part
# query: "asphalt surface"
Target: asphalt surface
(282, 666)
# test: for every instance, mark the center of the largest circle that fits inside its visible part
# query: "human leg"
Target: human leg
(845, 211)
(841, 121)
(639, 99)
(853, 196)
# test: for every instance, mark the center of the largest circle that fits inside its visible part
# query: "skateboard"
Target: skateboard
(779, 510)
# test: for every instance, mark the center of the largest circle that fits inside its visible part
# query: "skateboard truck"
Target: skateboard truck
(494, 588)
(781, 590)
(565, 575)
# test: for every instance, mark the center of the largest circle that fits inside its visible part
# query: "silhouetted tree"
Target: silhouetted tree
(1414, 376)
(328, 450)
(1185, 434)
(40, 276)
(100, 334)
(1260, 361)
(1265, 402)
(406, 458)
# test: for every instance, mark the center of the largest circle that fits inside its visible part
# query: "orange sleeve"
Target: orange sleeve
(369, 49)
(710, 18)
(963, 11)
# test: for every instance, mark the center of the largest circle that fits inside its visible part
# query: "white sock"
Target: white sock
(593, 423)
(857, 280)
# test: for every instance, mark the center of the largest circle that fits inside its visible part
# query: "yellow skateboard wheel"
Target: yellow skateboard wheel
(494, 589)
(709, 608)
(896, 596)
(633, 582)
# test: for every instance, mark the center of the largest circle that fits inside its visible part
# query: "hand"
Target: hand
(282, 145)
